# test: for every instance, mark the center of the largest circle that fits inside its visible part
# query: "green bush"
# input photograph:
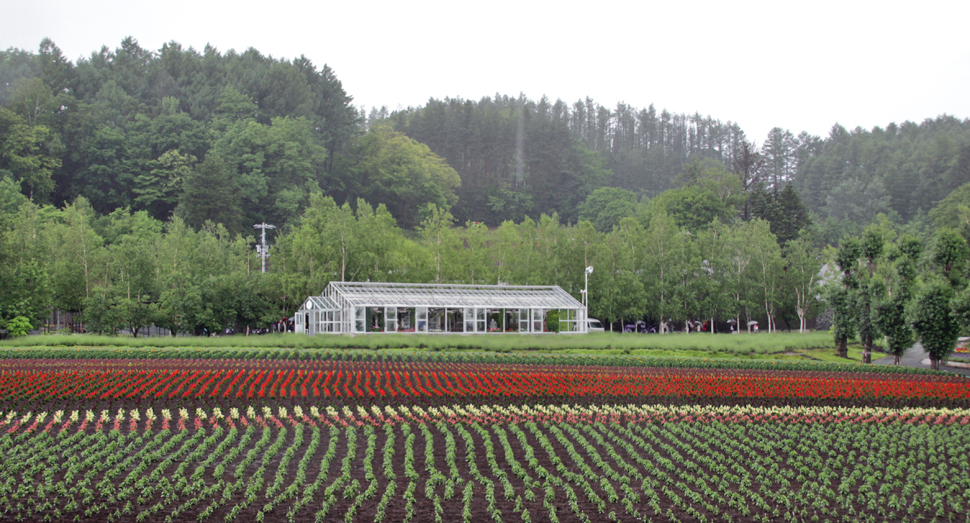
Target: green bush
(762, 343)
(19, 326)
(552, 321)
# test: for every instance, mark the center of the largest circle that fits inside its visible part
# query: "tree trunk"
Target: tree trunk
(842, 347)
(897, 358)
(867, 350)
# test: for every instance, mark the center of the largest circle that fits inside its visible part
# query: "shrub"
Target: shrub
(19, 326)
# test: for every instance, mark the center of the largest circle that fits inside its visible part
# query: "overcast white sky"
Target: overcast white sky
(799, 66)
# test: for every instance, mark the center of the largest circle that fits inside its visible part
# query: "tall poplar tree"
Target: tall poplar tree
(893, 295)
(932, 312)
(871, 249)
(840, 294)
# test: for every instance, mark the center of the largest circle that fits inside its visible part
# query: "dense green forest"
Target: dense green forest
(130, 181)
(132, 127)
(517, 157)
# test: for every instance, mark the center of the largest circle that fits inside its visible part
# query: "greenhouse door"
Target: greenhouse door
(422, 317)
(536, 320)
(390, 319)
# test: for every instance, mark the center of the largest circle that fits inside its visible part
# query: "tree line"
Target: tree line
(667, 262)
(898, 288)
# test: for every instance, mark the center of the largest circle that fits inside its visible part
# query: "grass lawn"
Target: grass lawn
(829, 355)
(817, 346)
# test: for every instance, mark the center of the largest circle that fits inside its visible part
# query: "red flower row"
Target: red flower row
(373, 383)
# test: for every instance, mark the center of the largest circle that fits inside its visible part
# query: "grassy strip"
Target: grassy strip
(724, 344)
(385, 355)
(854, 355)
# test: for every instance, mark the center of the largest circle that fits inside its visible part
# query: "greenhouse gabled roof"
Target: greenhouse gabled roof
(320, 302)
(453, 296)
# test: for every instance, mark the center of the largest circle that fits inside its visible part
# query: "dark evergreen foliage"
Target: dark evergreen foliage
(123, 127)
(784, 210)
(211, 194)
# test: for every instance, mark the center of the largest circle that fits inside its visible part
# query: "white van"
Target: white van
(594, 325)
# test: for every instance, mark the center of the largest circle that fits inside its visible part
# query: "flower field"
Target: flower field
(34, 380)
(331, 436)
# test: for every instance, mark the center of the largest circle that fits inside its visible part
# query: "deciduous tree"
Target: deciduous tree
(934, 321)
(802, 266)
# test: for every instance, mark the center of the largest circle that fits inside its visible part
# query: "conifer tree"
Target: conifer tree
(210, 193)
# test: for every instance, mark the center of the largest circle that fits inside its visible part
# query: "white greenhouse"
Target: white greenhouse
(354, 307)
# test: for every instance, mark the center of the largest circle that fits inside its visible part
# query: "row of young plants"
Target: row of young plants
(298, 356)
(502, 471)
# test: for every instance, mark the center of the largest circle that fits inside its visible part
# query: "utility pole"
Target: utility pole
(262, 250)
(589, 270)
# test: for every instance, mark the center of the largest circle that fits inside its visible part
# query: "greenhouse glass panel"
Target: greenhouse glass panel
(436, 320)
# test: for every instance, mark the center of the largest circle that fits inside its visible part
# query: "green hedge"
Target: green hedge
(762, 343)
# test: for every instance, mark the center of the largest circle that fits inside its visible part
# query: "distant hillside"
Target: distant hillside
(502, 148)
(131, 127)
